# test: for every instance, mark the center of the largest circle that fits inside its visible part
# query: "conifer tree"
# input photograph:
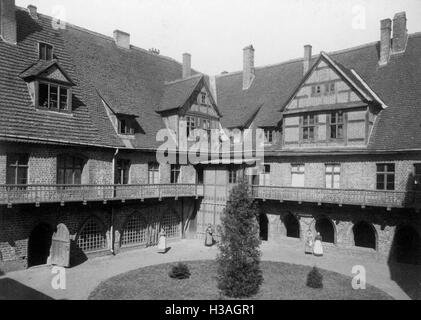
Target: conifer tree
(239, 274)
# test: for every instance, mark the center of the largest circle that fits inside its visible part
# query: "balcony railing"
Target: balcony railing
(387, 199)
(26, 194)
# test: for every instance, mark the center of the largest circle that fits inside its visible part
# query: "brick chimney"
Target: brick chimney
(248, 69)
(308, 49)
(122, 39)
(8, 31)
(33, 11)
(400, 33)
(186, 65)
(385, 40)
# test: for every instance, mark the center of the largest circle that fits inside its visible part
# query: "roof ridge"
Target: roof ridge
(185, 79)
(105, 37)
(336, 52)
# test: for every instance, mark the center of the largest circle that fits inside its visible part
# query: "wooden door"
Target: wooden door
(60, 247)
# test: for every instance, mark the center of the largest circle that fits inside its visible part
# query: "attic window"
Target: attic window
(45, 51)
(203, 98)
(316, 90)
(126, 126)
(268, 136)
(53, 97)
(330, 88)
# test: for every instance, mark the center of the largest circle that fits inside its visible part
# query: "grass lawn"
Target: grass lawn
(282, 282)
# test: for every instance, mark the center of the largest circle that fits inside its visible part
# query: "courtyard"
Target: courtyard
(399, 282)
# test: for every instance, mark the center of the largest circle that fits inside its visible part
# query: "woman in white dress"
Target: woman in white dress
(318, 245)
(162, 244)
(209, 241)
(309, 247)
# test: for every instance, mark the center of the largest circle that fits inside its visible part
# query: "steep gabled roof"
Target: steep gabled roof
(130, 81)
(139, 83)
(396, 85)
(19, 118)
(176, 93)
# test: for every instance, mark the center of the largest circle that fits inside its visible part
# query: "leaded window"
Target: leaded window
(330, 88)
(386, 176)
(298, 175)
(126, 126)
(337, 125)
(175, 173)
(122, 172)
(232, 175)
(308, 127)
(17, 169)
(268, 136)
(333, 176)
(69, 170)
(45, 51)
(191, 126)
(153, 169)
(53, 97)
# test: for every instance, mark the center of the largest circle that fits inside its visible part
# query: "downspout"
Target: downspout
(112, 206)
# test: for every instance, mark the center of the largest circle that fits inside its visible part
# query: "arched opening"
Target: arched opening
(264, 227)
(171, 223)
(92, 236)
(407, 246)
(135, 231)
(325, 227)
(292, 226)
(39, 245)
(364, 235)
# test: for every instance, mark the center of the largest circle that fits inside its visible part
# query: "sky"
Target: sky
(215, 32)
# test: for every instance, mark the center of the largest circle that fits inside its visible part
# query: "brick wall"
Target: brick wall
(357, 172)
(16, 224)
(43, 163)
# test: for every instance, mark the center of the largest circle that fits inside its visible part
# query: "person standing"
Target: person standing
(309, 247)
(209, 242)
(162, 244)
(318, 245)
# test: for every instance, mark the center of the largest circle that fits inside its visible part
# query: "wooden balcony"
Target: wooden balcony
(37, 194)
(363, 198)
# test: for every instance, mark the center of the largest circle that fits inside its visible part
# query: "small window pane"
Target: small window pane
(45, 52)
(69, 177)
(60, 176)
(53, 97)
(63, 99)
(43, 95)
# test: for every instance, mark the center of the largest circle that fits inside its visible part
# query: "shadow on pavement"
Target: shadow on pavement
(408, 277)
(13, 290)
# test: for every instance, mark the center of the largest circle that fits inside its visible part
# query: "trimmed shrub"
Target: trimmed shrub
(180, 272)
(239, 273)
(315, 279)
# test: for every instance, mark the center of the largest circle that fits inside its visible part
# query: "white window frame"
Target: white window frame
(298, 171)
(333, 170)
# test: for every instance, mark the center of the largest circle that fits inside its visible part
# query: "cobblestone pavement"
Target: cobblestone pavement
(35, 283)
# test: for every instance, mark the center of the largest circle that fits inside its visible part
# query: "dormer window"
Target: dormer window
(126, 126)
(203, 98)
(45, 51)
(54, 97)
